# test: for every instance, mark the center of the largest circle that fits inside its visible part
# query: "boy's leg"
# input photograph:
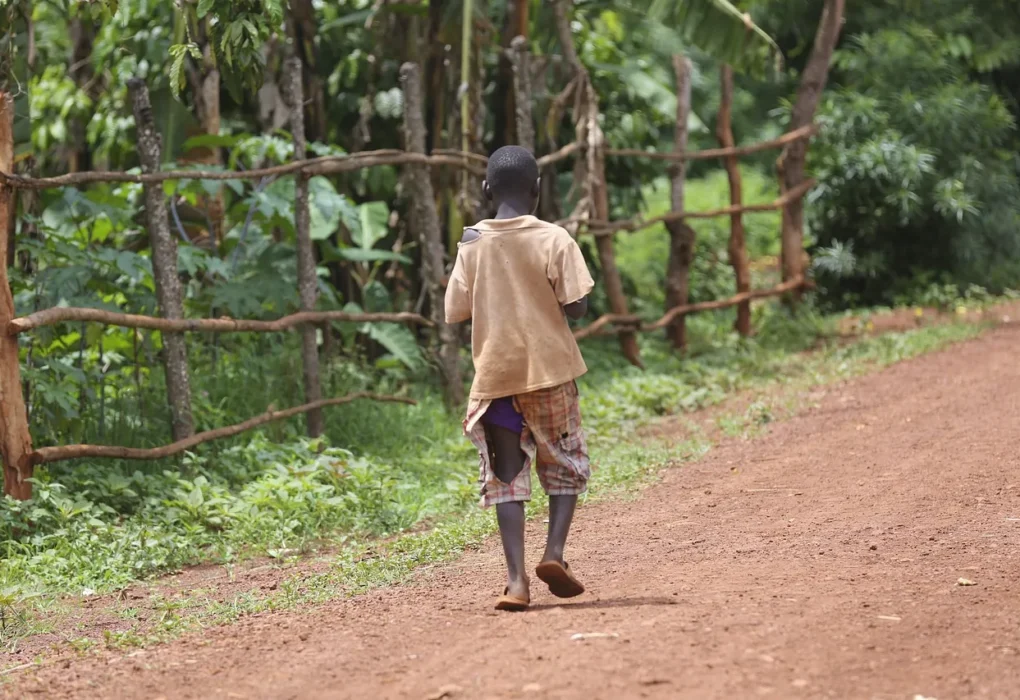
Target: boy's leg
(554, 418)
(561, 513)
(507, 462)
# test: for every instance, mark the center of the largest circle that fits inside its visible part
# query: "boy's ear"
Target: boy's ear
(486, 190)
(536, 189)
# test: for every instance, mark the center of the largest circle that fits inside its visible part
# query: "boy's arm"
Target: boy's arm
(577, 309)
(570, 278)
(458, 293)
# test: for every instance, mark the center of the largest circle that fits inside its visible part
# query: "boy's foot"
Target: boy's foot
(561, 582)
(516, 600)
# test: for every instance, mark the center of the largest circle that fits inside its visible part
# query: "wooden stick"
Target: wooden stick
(15, 438)
(733, 151)
(608, 228)
(50, 317)
(324, 165)
(629, 321)
(46, 455)
(558, 155)
(327, 165)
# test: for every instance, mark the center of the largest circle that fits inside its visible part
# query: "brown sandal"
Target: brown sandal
(511, 603)
(561, 582)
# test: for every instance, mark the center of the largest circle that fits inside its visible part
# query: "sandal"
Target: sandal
(561, 582)
(512, 603)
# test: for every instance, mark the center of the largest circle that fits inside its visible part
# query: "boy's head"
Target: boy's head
(512, 177)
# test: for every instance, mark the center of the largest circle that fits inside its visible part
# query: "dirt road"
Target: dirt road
(822, 560)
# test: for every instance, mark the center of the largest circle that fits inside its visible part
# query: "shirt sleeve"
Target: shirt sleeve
(458, 294)
(568, 272)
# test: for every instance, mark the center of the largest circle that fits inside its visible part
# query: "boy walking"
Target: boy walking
(517, 278)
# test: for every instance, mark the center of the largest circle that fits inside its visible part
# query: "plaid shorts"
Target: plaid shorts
(552, 440)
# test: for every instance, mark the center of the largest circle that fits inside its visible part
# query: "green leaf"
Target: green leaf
(210, 141)
(373, 218)
(363, 256)
(722, 30)
(398, 341)
(204, 6)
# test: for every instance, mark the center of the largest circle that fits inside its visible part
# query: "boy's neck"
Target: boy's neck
(512, 210)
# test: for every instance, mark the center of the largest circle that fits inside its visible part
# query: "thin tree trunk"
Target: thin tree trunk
(592, 175)
(681, 236)
(425, 219)
(15, 438)
(80, 71)
(205, 89)
(520, 61)
(305, 30)
(738, 244)
(307, 280)
(791, 162)
(164, 264)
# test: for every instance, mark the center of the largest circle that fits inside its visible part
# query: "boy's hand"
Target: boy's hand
(577, 309)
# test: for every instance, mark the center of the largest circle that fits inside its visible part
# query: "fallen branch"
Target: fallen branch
(791, 137)
(629, 323)
(46, 455)
(51, 317)
(608, 228)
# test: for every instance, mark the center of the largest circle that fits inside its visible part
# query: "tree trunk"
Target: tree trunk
(305, 28)
(164, 264)
(507, 115)
(15, 439)
(738, 244)
(681, 236)
(425, 220)
(205, 89)
(307, 279)
(80, 71)
(792, 160)
(592, 174)
(520, 61)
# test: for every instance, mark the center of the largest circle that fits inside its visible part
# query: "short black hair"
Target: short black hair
(512, 172)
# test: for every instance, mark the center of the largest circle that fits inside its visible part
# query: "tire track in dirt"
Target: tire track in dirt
(819, 561)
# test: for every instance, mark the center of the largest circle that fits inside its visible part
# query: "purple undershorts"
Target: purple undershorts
(501, 413)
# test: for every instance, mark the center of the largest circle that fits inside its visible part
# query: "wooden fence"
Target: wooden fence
(590, 218)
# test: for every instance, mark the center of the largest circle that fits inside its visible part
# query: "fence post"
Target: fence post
(308, 283)
(520, 61)
(164, 263)
(681, 235)
(593, 172)
(425, 221)
(738, 244)
(15, 439)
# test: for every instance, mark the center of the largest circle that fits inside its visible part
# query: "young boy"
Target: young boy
(517, 278)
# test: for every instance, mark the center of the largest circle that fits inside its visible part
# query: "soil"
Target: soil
(866, 548)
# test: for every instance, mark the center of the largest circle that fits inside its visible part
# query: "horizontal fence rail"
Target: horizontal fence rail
(631, 322)
(45, 455)
(327, 165)
(51, 317)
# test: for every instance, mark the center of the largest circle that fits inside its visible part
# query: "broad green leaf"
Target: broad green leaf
(398, 341)
(722, 30)
(373, 218)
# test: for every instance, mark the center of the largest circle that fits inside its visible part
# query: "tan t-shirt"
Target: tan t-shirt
(512, 282)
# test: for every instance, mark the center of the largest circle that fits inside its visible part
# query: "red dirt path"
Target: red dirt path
(819, 561)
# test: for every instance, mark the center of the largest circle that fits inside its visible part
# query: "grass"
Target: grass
(616, 400)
